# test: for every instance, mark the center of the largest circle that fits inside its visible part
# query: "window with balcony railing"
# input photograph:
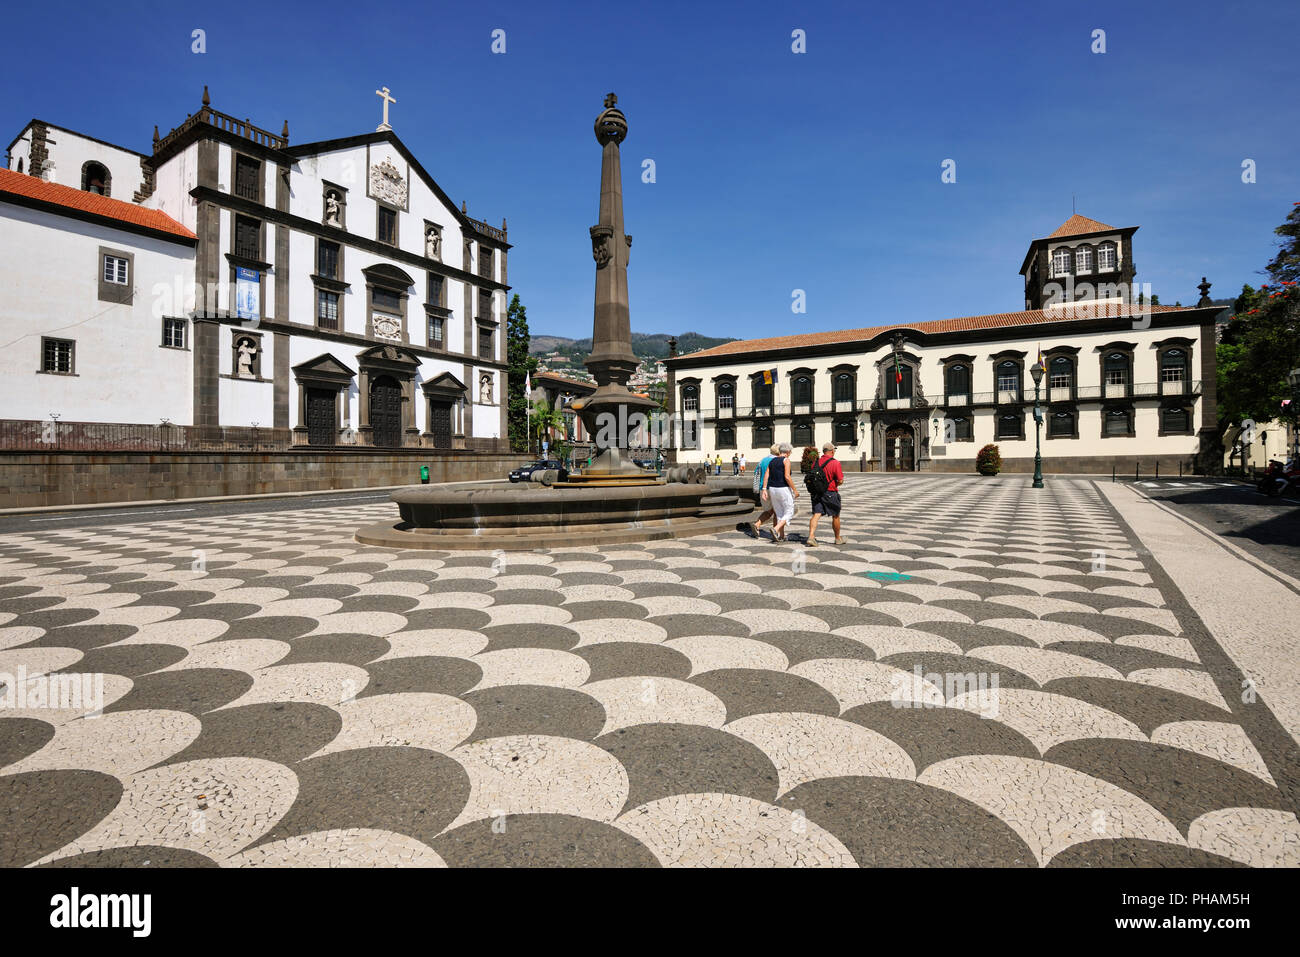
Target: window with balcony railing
(248, 175)
(248, 237)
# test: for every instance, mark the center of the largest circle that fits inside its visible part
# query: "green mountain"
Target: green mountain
(644, 346)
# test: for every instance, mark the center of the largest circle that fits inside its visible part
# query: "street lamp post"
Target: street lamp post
(1037, 373)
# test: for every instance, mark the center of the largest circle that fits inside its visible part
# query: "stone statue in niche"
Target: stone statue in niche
(485, 389)
(333, 209)
(247, 350)
(433, 244)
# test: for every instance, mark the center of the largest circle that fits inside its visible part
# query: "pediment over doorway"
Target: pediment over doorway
(391, 357)
(444, 384)
(324, 368)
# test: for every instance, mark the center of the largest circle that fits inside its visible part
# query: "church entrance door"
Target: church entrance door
(321, 414)
(386, 412)
(440, 424)
(899, 455)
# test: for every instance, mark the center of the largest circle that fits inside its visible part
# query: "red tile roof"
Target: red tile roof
(997, 320)
(1078, 225)
(554, 377)
(20, 184)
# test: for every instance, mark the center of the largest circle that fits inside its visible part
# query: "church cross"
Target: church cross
(387, 99)
(611, 101)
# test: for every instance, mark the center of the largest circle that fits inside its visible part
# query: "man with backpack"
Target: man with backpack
(823, 484)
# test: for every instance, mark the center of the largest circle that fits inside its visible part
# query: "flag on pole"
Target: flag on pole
(898, 370)
(1042, 363)
(528, 383)
(769, 377)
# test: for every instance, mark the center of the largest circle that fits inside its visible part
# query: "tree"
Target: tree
(1285, 267)
(521, 365)
(1259, 347)
(544, 418)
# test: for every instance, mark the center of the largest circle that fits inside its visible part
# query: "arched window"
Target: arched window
(1118, 422)
(896, 388)
(1011, 425)
(801, 435)
(802, 390)
(1060, 374)
(845, 433)
(20, 164)
(1060, 425)
(762, 435)
(1008, 381)
(1083, 259)
(957, 379)
(961, 429)
(1116, 372)
(1174, 420)
(726, 437)
(95, 179)
(690, 398)
(726, 395)
(1061, 262)
(1106, 258)
(1173, 365)
(762, 394)
(844, 387)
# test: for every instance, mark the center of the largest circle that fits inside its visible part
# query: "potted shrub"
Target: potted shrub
(810, 457)
(989, 461)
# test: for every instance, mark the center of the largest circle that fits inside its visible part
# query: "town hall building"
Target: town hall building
(1125, 383)
(228, 279)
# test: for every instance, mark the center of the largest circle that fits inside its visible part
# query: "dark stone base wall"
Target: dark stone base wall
(1082, 465)
(1073, 465)
(86, 478)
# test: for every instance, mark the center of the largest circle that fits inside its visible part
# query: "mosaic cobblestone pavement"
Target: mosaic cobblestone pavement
(301, 699)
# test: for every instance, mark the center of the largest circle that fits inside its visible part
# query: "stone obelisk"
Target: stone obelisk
(606, 413)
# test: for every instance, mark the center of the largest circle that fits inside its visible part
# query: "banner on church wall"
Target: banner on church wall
(248, 299)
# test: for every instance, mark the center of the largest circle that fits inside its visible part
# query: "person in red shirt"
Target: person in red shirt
(828, 503)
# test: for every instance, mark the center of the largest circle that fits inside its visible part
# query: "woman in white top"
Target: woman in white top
(779, 488)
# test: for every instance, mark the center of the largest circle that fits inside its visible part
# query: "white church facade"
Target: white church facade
(330, 291)
(1125, 383)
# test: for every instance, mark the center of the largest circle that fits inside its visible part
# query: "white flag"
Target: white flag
(528, 382)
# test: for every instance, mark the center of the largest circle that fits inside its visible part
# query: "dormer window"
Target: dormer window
(1106, 257)
(1083, 259)
(1061, 262)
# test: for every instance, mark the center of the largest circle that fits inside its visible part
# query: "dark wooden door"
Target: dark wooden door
(899, 449)
(440, 424)
(386, 412)
(321, 416)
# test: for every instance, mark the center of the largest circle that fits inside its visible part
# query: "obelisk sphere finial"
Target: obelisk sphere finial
(611, 125)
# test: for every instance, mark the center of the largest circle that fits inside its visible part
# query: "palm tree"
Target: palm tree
(545, 418)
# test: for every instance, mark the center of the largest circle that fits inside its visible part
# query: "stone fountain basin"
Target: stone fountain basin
(537, 516)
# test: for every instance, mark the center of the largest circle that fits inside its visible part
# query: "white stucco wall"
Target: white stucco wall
(69, 151)
(49, 271)
(172, 184)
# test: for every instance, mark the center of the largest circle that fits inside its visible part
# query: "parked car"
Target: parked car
(651, 464)
(524, 472)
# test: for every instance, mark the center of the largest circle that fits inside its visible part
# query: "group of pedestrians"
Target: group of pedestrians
(773, 479)
(737, 463)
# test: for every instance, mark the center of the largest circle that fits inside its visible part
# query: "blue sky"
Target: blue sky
(775, 171)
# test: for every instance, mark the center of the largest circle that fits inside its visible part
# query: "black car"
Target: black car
(524, 472)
